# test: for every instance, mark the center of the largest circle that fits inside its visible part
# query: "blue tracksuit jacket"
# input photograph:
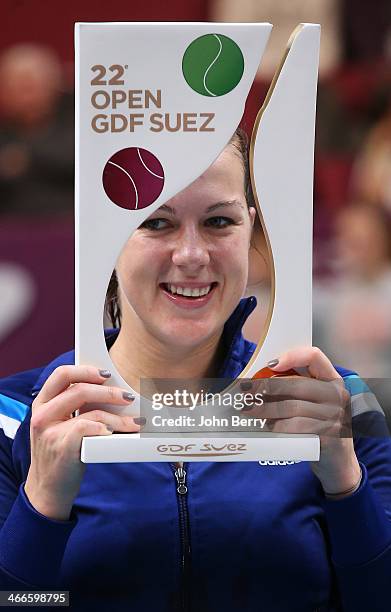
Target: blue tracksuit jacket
(253, 536)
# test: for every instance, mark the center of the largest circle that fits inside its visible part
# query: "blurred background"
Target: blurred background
(352, 191)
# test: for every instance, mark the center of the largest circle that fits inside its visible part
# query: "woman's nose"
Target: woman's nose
(191, 250)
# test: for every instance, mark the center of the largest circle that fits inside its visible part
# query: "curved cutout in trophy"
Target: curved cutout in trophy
(149, 98)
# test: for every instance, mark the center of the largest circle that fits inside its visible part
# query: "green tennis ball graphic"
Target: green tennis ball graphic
(213, 65)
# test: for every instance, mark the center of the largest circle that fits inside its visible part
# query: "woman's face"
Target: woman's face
(361, 240)
(183, 271)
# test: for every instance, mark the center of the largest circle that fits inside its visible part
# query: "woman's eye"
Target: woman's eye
(155, 224)
(219, 222)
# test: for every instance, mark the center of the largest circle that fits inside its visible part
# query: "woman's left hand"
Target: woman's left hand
(316, 402)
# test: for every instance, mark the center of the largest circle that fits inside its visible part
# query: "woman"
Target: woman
(283, 536)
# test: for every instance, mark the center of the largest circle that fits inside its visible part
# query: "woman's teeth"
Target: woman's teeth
(187, 291)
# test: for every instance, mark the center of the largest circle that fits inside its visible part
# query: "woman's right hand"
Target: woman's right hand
(56, 471)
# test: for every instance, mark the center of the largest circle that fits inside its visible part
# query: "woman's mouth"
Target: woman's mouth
(189, 296)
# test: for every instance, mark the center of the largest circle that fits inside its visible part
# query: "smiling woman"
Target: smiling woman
(238, 146)
(182, 273)
(200, 536)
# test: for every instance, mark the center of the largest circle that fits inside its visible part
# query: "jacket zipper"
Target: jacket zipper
(180, 475)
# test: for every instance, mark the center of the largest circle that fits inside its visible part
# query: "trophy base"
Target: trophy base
(122, 448)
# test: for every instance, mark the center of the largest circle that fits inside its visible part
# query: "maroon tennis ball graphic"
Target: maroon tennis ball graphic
(133, 178)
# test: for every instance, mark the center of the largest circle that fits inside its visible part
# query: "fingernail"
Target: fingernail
(104, 373)
(110, 429)
(140, 420)
(129, 397)
(273, 363)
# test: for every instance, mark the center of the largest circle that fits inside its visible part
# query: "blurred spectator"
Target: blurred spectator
(366, 28)
(372, 172)
(285, 16)
(36, 133)
(352, 314)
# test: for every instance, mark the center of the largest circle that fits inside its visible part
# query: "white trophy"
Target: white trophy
(152, 114)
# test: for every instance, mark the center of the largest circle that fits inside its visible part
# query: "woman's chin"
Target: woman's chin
(187, 334)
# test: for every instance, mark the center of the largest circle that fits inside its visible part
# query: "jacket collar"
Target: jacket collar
(237, 350)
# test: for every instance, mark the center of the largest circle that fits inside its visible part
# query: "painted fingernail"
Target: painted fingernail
(273, 363)
(109, 428)
(129, 397)
(140, 420)
(104, 373)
